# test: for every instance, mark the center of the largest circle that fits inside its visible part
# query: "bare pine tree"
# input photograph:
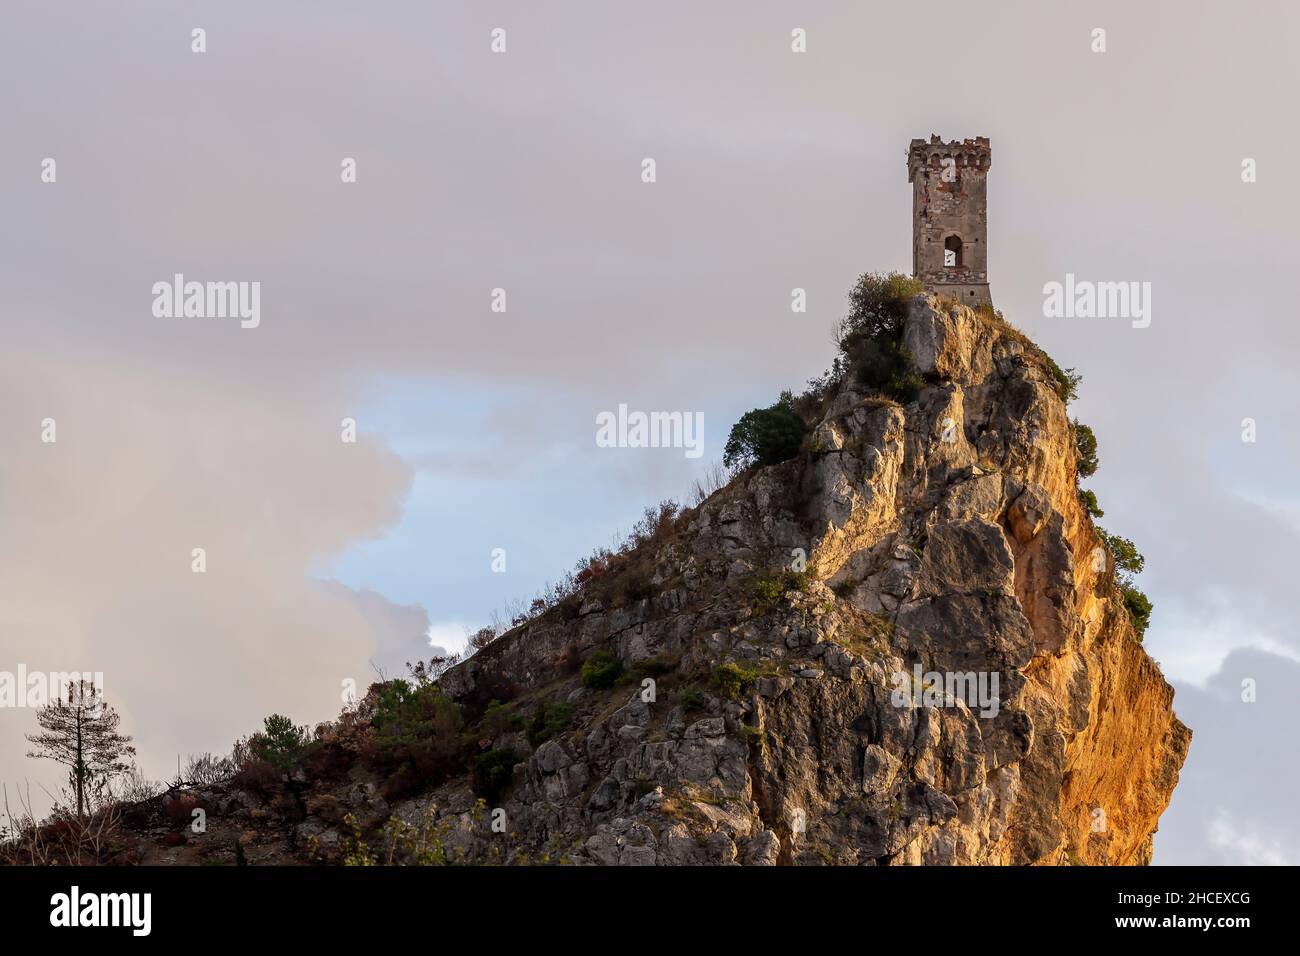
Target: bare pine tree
(81, 733)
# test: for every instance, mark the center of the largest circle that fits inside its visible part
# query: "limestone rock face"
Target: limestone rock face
(903, 646)
(943, 537)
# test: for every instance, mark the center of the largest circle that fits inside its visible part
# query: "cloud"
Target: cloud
(447, 637)
(101, 526)
(1243, 845)
(1235, 799)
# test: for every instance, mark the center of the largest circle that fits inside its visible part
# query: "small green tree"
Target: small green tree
(1125, 552)
(1139, 608)
(280, 743)
(766, 436)
(870, 337)
(877, 307)
(1085, 443)
(417, 731)
(1129, 562)
(1089, 499)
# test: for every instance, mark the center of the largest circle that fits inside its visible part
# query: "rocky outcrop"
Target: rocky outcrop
(944, 539)
(903, 646)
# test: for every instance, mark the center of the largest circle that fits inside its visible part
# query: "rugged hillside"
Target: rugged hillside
(757, 720)
(947, 533)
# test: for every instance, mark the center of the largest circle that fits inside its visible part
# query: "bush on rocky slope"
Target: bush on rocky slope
(766, 436)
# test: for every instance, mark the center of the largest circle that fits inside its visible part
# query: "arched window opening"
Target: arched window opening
(952, 252)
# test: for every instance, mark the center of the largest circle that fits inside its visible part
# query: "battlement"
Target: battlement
(967, 154)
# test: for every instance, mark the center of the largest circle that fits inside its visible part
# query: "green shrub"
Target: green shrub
(732, 680)
(405, 712)
(1065, 381)
(693, 700)
(550, 718)
(1128, 562)
(281, 743)
(870, 343)
(766, 589)
(877, 306)
(871, 335)
(1124, 552)
(390, 702)
(1138, 607)
(416, 740)
(1089, 499)
(765, 436)
(1085, 443)
(602, 669)
(887, 367)
(497, 717)
(492, 773)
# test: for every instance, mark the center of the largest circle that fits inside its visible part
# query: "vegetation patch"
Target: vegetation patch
(868, 635)
(870, 337)
(1085, 445)
(765, 590)
(1064, 380)
(656, 666)
(601, 670)
(549, 719)
(693, 700)
(1089, 501)
(732, 680)
(1129, 562)
(416, 740)
(492, 773)
(766, 436)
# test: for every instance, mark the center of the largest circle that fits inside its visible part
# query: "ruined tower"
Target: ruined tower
(950, 217)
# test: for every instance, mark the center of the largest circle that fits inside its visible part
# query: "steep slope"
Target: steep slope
(947, 533)
(779, 646)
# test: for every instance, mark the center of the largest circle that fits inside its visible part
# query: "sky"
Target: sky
(330, 561)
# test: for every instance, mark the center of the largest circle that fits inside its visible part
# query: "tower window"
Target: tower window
(952, 252)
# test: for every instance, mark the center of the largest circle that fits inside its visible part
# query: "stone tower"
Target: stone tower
(950, 217)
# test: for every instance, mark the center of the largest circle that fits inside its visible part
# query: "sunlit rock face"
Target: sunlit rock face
(946, 549)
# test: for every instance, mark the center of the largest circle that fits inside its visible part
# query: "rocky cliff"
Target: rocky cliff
(903, 646)
(948, 534)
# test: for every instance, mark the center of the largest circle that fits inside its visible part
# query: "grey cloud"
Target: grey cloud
(1235, 799)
